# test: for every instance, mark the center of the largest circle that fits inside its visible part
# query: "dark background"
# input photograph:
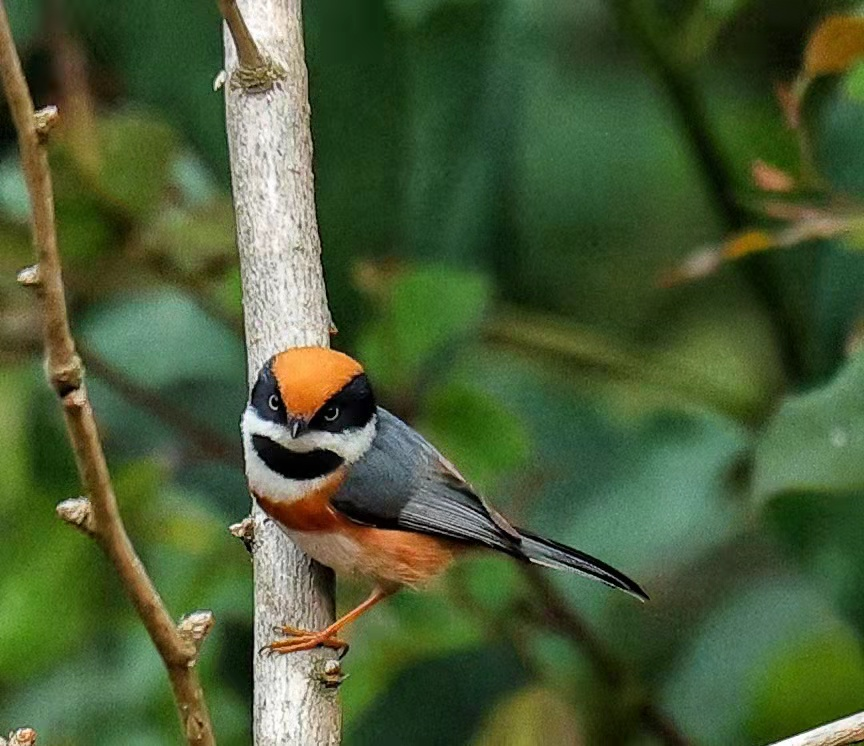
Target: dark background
(505, 191)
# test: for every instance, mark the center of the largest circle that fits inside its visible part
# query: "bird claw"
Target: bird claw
(299, 639)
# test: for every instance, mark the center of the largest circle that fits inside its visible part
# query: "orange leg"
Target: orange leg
(299, 639)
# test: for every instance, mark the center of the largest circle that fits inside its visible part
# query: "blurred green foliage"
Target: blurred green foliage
(502, 187)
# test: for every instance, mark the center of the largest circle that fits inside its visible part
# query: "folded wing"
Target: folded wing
(403, 483)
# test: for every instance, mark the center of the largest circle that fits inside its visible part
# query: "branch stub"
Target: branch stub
(44, 120)
(194, 628)
(22, 737)
(30, 277)
(245, 531)
(78, 512)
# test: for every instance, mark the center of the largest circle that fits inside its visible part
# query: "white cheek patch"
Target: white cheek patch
(350, 445)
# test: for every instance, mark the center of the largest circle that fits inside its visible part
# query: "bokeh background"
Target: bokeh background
(604, 253)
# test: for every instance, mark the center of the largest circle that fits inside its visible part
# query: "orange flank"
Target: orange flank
(309, 376)
(391, 557)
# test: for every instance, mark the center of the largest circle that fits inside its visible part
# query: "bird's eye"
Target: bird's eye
(273, 402)
(331, 413)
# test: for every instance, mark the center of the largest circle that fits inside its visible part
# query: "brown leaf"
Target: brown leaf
(747, 243)
(835, 46)
(769, 178)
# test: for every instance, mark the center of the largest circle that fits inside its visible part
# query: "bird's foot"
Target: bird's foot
(301, 639)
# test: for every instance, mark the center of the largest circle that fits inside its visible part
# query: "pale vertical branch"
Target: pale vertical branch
(98, 514)
(284, 305)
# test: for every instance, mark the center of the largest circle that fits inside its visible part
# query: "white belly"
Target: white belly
(335, 550)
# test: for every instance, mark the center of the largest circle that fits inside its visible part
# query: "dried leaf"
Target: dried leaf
(769, 178)
(835, 46)
(747, 243)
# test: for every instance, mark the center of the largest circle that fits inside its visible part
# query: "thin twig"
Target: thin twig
(65, 374)
(839, 733)
(255, 72)
(561, 618)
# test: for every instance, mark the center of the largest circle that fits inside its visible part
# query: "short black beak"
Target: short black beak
(296, 426)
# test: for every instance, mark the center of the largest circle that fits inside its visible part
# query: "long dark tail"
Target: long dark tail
(552, 554)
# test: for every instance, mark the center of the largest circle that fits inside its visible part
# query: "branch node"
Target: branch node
(331, 675)
(78, 512)
(44, 120)
(194, 628)
(245, 531)
(219, 80)
(65, 378)
(30, 277)
(21, 737)
(195, 729)
(257, 78)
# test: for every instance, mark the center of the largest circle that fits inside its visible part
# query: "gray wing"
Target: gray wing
(404, 483)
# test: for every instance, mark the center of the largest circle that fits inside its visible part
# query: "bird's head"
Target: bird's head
(310, 399)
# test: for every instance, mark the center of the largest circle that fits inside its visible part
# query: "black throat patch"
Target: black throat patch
(293, 465)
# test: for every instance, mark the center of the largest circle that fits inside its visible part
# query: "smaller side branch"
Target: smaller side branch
(839, 733)
(256, 72)
(65, 373)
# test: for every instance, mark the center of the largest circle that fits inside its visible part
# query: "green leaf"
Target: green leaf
(14, 201)
(194, 242)
(162, 338)
(409, 629)
(25, 18)
(425, 310)
(814, 442)
(464, 421)
(136, 154)
(440, 700)
(532, 716)
(804, 685)
(854, 82)
(733, 652)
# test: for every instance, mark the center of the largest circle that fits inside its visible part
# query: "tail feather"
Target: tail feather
(552, 554)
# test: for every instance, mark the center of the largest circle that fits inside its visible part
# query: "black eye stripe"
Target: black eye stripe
(265, 392)
(356, 405)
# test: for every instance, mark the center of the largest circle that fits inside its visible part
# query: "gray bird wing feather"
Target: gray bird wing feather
(403, 482)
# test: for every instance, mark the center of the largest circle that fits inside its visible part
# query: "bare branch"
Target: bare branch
(65, 374)
(284, 305)
(839, 733)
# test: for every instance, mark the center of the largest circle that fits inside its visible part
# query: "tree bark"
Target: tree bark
(285, 305)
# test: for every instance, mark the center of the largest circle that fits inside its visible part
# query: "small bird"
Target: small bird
(360, 491)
